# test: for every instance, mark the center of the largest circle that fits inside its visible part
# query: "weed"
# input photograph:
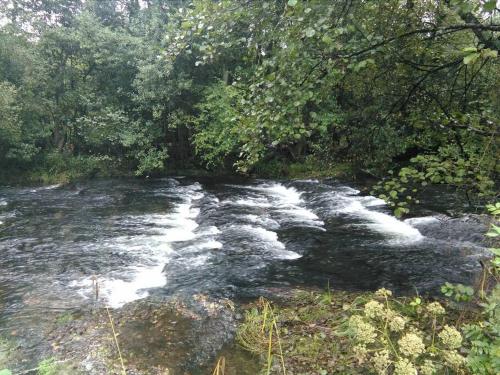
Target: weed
(124, 372)
(220, 367)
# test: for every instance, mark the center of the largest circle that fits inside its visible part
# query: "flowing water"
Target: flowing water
(179, 236)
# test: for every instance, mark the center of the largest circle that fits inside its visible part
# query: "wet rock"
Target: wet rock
(155, 336)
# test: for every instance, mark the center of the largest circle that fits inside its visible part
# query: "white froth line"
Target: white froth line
(382, 222)
(421, 220)
(50, 187)
(270, 237)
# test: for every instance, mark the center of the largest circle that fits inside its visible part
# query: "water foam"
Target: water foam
(288, 202)
(268, 240)
(49, 187)
(251, 202)
(152, 251)
(422, 220)
(264, 221)
(284, 206)
(283, 194)
(378, 221)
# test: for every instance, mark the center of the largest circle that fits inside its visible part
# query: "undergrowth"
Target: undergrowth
(373, 333)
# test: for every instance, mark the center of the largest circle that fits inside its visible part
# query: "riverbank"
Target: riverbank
(61, 169)
(336, 332)
(304, 331)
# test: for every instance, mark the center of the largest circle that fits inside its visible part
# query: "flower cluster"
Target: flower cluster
(362, 331)
(450, 337)
(360, 352)
(453, 359)
(427, 368)
(374, 309)
(383, 293)
(381, 362)
(389, 341)
(404, 367)
(435, 308)
(397, 324)
(411, 345)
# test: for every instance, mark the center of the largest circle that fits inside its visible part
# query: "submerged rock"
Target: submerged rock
(468, 228)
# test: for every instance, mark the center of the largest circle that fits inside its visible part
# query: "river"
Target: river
(221, 238)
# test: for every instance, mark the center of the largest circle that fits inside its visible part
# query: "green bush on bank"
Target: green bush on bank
(59, 168)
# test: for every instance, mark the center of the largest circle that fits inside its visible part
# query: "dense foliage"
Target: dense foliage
(404, 85)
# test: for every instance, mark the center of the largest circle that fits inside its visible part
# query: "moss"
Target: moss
(65, 318)
(50, 366)
(5, 352)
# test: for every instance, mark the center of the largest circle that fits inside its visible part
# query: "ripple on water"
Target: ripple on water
(165, 238)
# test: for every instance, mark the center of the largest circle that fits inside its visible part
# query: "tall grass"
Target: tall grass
(260, 334)
(124, 372)
(220, 367)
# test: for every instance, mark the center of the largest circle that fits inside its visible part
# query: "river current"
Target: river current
(233, 239)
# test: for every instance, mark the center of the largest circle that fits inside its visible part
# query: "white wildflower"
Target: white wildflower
(383, 293)
(381, 362)
(411, 345)
(374, 309)
(363, 332)
(397, 324)
(453, 359)
(361, 353)
(404, 367)
(450, 337)
(435, 308)
(427, 368)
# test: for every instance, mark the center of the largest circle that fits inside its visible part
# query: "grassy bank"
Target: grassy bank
(310, 167)
(319, 333)
(57, 168)
(62, 169)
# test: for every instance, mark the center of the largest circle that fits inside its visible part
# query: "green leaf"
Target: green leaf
(327, 39)
(5, 372)
(495, 251)
(469, 49)
(292, 3)
(490, 5)
(489, 53)
(471, 58)
(398, 212)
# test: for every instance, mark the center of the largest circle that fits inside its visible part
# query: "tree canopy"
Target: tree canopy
(407, 89)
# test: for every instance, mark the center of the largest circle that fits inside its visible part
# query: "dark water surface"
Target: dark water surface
(177, 236)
